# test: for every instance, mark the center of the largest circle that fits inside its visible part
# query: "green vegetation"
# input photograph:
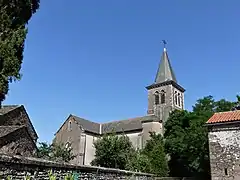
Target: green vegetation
(55, 152)
(152, 158)
(51, 175)
(186, 138)
(13, 30)
(114, 151)
(185, 141)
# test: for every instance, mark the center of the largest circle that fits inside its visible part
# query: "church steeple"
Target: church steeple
(165, 94)
(165, 71)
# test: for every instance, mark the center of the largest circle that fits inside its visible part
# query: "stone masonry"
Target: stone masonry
(224, 145)
(19, 167)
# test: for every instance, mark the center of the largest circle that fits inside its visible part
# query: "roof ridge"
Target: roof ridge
(127, 119)
(84, 119)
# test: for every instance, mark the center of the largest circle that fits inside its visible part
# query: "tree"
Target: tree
(14, 18)
(55, 152)
(237, 104)
(154, 150)
(113, 151)
(152, 158)
(44, 150)
(186, 137)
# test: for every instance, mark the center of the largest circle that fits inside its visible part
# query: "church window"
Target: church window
(179, 99)
(69, 126)
(156, 98)
(226, 171)
(175, 97)
(163, 98)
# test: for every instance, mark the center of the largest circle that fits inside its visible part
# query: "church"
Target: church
(164, 96)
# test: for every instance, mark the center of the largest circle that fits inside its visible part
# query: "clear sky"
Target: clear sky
(94, 58)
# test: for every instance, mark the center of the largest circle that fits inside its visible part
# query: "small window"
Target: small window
(226, 171)
(156, 98)
(175, 97)
(69, 126)
(179, 99)
(163, 98)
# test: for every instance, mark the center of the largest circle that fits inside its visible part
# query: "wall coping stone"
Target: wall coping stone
(31, 161)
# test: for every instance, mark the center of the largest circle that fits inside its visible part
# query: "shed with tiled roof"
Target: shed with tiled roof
(224, 144)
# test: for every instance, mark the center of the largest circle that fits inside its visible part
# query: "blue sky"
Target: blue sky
(94, 58)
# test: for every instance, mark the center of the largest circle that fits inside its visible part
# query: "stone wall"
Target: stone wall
(224, 147)
(18, 167)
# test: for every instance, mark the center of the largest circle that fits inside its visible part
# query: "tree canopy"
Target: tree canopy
(14, 18)
(155, 153)
(54, 152)
(112, 151)
(186, 138)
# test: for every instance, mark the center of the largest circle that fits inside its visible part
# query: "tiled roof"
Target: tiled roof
(222, 117)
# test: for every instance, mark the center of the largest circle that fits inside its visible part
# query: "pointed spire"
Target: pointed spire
(165, 71)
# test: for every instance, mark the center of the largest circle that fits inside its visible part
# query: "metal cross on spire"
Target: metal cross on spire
(164, 43)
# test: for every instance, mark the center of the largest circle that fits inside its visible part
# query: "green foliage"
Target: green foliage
(69, 177)
(112, 151)
(155, 152)
(51, 175)
(44, 150)
(186, 138)
(9, 177)
(55, 152)
(61, 153)
(14, 17)
(139, 162)
(28, 177)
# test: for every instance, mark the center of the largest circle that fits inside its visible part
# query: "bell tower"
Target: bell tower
(165, 94)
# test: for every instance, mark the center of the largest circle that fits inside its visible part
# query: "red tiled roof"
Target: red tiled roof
(222, 117)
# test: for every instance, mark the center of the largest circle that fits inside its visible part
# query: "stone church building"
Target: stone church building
(164, 95)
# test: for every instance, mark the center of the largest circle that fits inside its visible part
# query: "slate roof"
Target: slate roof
(127, 125)
(88, 125)
(223, 117)
(4, 130)
(7, 108)
(116, 126)
(165, 70)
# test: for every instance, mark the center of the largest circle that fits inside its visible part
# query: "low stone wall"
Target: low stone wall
(176, 178)
(19, 167)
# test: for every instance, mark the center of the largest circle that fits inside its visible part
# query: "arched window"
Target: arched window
(175, 97)
(179, 99)
(163, 98)
(156, 97)
(69, 126)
